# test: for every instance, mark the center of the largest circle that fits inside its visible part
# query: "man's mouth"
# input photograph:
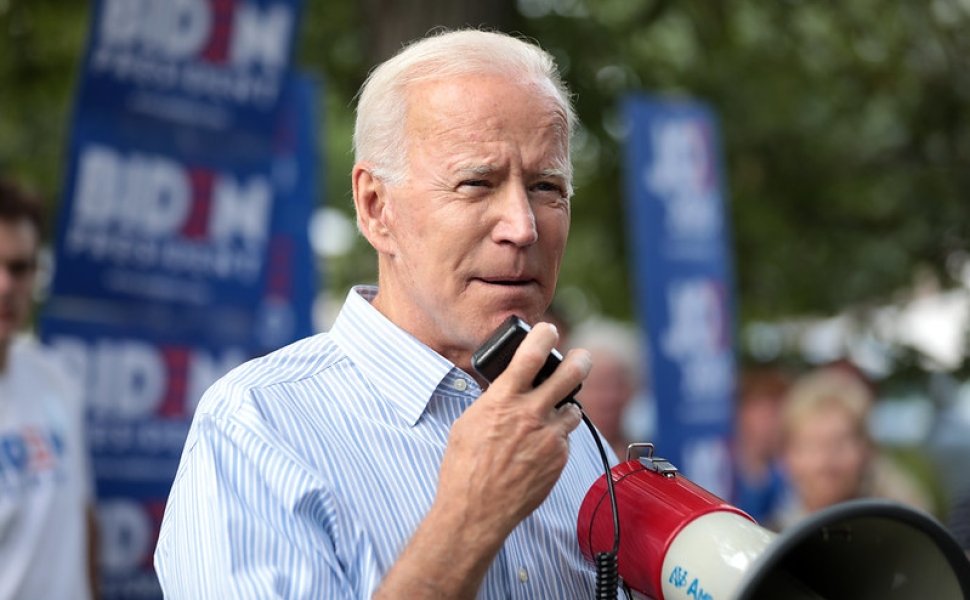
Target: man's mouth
(507, 281)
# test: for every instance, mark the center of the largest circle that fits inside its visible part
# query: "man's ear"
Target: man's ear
(371, 203)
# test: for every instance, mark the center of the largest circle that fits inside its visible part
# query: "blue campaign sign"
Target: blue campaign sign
(218, 65)
(140, 394)
(212, 243)
(682, 270)
(182, 242)
(284, 312)
(133, 207)
(173, 265)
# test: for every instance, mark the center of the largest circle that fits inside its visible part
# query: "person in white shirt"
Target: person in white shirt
(45, 480)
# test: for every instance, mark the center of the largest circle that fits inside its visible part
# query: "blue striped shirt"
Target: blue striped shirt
(306, 472)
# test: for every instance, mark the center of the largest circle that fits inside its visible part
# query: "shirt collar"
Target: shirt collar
(402, 368)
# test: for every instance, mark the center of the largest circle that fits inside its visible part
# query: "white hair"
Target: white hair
(616, 338)
(379, 132)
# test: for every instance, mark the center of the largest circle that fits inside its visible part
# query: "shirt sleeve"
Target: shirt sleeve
(245, 519)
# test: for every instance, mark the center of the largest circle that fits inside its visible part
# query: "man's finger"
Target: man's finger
(568, 417)
(530, 356)
(567, 377)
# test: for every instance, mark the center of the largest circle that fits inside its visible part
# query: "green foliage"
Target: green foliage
(41, 43)
(843, 131)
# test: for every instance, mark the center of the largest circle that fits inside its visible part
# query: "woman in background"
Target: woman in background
(827, 449)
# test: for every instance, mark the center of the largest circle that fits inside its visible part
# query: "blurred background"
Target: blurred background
(845, 137)
(845, 134)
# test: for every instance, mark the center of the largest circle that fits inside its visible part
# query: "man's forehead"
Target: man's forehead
(479, 127)
(454, 98)
(19, 233)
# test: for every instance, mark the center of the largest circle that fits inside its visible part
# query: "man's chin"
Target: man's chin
(528, 314)
(476, 322)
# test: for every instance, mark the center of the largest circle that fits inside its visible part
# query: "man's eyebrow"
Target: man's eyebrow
(560, 173)
(477, 169)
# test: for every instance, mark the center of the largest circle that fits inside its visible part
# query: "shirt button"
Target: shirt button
(461, 385)
(523, 575)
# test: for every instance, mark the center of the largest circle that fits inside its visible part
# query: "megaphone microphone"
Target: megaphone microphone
(681, 542)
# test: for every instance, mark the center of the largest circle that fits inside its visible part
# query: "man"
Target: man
(368, 461)
(44, 476)
(760, 487)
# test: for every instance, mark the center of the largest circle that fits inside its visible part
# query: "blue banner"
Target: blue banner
(140, 395)
(683, 279)
(209, 243)
(214, 65)
(182, 243)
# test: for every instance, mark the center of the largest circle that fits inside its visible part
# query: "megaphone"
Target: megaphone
(681, 542)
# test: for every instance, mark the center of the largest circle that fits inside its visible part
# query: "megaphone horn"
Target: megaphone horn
(681, 542)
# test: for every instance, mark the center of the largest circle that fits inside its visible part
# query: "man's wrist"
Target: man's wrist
(447, 557)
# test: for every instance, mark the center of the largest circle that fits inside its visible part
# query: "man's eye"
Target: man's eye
(548, 186)
(20, 268)
(475, 183)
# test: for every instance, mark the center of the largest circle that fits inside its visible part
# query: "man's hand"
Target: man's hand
(504, 455)
(508, 449)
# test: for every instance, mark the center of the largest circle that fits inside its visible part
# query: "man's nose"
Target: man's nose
(516, 219)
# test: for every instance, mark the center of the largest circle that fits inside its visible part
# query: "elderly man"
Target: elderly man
(368, 461)
(45, 479)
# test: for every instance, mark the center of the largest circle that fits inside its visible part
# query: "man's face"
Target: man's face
(759, 424)
(18, 252)
(477, 230)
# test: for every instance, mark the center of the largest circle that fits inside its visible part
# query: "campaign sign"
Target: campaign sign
(140, 394)
(200, 226)
(290, 280)
(212, 243)
(218, 65)
(682, 274)
(172, 266)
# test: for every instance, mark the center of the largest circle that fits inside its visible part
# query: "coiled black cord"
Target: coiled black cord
(607, 572)
(607, 576)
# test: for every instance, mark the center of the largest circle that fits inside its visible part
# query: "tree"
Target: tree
(843, 134)
(845, 128)
(40, 50)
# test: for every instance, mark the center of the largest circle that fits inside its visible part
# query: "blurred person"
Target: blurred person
(46, 535)
(826, 443)
(827, 451)
(614, 381)
(885, 477)
(371, 460)
(759, 486)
